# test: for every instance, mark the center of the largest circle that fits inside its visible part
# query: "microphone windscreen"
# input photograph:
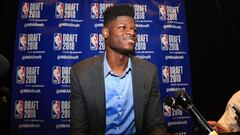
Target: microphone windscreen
(169, 101)
(183, 99)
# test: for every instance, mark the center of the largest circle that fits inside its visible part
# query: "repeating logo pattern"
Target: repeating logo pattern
(162, 12)
(22, 45)
(20, 77)
(57, 43)
(94, 41)
(165, 74)
(59, 10)
(56, 75)
(56, 112)
(19, 109)
(94, 11)
(164, 42)
(25, 10)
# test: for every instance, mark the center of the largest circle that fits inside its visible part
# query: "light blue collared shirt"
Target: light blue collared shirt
(120, 118)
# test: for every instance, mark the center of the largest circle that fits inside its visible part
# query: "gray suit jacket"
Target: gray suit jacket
(88, 97)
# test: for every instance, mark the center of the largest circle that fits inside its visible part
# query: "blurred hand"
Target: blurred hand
(218, 127)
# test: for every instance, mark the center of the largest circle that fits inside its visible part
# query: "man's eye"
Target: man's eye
(122, 27)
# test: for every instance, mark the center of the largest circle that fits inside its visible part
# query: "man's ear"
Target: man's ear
(105, 32)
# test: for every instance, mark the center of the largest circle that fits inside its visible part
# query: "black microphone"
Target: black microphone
(169, 101)
(4, 64)
(184, 100)
(172, 102)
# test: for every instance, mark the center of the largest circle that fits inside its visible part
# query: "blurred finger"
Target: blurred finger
(212, 123)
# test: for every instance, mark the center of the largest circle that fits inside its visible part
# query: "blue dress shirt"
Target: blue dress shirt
(120, 118)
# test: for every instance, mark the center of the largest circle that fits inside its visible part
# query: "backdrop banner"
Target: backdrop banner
(51, 36)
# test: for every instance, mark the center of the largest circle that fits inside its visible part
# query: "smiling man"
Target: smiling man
(116, 93)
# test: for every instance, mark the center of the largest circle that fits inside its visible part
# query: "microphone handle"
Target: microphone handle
(201, 120)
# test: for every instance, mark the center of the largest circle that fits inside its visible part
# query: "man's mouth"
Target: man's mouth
(130, 39)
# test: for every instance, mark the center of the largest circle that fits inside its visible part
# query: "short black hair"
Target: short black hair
(114, 11)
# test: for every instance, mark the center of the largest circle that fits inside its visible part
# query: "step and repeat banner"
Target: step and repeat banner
(53, 35)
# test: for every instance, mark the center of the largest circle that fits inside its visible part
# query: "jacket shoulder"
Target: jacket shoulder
(88, 63)
(144, 64)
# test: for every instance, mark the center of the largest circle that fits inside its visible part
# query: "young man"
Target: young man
(116, 93)
(229, 121)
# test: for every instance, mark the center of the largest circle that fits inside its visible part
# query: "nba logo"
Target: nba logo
(56, 75)
(94, 41)
(165, 74)
(25, 10)
(167, 110)
(164, 42)
(57, 43)
(59, 10)
(56, 109)
(20, 78)
(22, 42)
(162, 12)
(94, 11)
(19, 107)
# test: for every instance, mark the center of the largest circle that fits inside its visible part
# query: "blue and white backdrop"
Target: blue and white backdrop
(53, 35)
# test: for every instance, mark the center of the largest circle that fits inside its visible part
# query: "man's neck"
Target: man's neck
(117, 62)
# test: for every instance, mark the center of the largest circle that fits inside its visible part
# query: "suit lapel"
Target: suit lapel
(137, 94)
(100, 93)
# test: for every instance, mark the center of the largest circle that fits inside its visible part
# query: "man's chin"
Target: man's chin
(128, 52)
(125, 51)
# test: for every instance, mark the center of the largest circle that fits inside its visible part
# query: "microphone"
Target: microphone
(169, 101)
(4, 64)
(183, 101)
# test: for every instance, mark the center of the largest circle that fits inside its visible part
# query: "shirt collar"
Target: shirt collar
(107, 70)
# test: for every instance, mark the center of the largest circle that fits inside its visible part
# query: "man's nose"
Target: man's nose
(131, 31)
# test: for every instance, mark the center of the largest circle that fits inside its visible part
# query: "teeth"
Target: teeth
(130, 40)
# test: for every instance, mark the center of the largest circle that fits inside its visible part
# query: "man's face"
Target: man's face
(121, 34)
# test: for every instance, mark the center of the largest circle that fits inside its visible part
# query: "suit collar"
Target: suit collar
(107, 70)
